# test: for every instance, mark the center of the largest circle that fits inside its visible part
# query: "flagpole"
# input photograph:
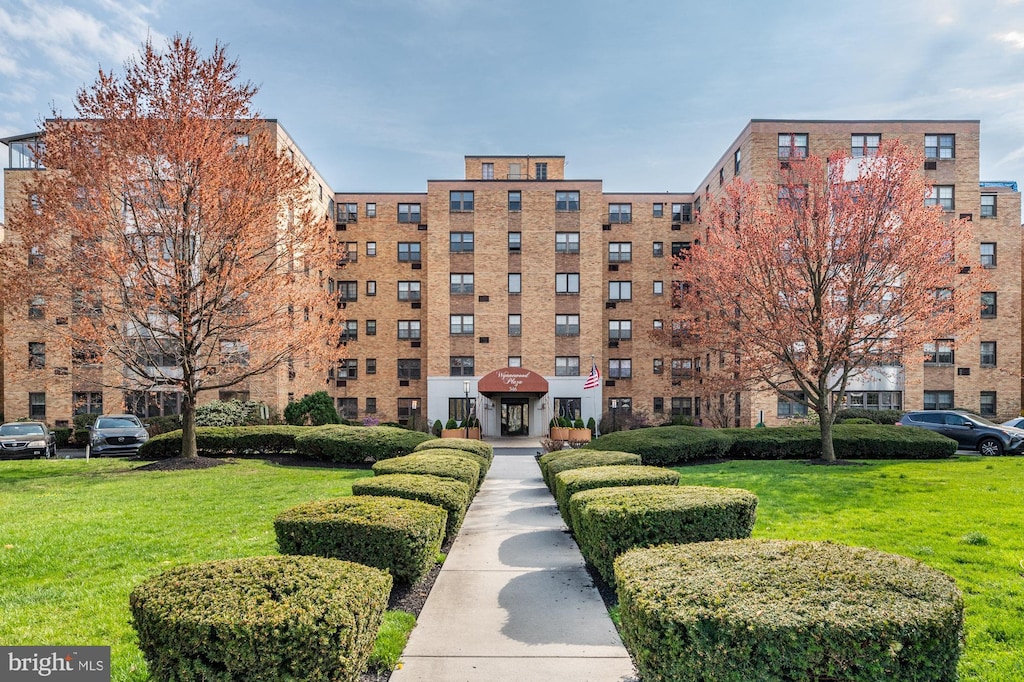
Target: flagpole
(597, 419)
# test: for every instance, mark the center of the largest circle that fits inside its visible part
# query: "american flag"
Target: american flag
(594, 379)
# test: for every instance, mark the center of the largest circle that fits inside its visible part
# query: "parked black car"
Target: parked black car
(969, 430)
(116, 434)
(21, 440)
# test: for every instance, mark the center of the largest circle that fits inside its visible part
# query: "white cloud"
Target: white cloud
(1014, 38)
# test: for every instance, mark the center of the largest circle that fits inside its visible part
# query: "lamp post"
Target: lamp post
(465, 412)
(615, 409)
(415, 406)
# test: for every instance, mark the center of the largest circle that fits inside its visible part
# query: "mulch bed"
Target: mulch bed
(182, 464)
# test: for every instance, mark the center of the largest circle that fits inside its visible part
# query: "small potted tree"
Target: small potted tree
(558, 431)
(579, 433)
(452, 430)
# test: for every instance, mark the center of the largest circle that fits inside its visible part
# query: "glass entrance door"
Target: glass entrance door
(515, 416)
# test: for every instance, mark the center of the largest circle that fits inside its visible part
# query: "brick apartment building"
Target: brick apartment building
(496, 292)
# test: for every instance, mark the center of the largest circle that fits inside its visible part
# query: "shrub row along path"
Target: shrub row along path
(514, 600)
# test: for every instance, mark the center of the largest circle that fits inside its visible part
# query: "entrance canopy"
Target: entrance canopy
(512, 380)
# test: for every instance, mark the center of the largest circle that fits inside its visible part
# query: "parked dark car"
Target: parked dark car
(22, 440)
(117, 434)
(969, 430)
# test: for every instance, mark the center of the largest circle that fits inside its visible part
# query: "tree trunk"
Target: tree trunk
(188, 427)
(828, 451)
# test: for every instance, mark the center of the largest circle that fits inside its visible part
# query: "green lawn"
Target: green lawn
(963, 516)
(77, 536)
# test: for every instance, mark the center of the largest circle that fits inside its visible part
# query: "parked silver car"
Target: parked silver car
(117, 434)
(20, 440)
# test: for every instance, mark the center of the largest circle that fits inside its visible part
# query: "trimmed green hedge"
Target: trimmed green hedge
(609, 521)
(445, 466)
(402, 536)
(667, 445)
(261, 618)
(547, 458)
(467, 444)
(581, 459)
(453, 496)
(213, 441)
(573, 481)
(482, 461)
(782, 610)
(357, 444)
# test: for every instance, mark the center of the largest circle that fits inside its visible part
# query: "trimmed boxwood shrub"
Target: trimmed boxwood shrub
(483, 462)
(401, 536)
(667, 445)
(453, 496)
(581, 459)
(214, 441)
(851, 441)
(357, 444)
(609, 521)
(783, 610)
(547, 458)
(875, 416)
(467, 444)
(261, 618)
(573, 481)
(445, 466)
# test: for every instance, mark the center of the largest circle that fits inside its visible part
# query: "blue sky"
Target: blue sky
(385, 94)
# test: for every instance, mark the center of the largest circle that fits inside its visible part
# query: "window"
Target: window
(788, 405)
(620, 368)
(36, 308)
(409, 368)
(658, 250)
(567, 283)
(349, 331)
(461, 242)
(348, 369)
(407, 410)
(515, 283)
(457, 408)
(988, 305)
(721, 176)
(408, 252)
(86, 353)
(682, 213)
(939, 352)
(348, 408)
(371, 249)
(460, 202)
(487, 170)
(515, 241)
(567, 366)
(567, 325)
(371, 210)
(371, 365)
(515, 171)
(567, 201)
(36, 256)
(461, 283)
(348, 290)
(682, 368)
(567, 242)
(36, 355)
(620, 406)
(940, 195)
(620, 213)
(659, 366)
(515, 361)
(938, 400)
(736, 157)
(939, 146)
(988, 254)
(371, 287)
(620, 330)
(371, 327)
(409, 213)
(792, 145)
(408, 329)
(987, 404)
(864, 145)
(460, 366)
(659, 288)
(37, 406)
(515, 200)
(540, 171)
(659, 210)
(682, 407)
(409, 291)
(620, 291)
(988, 205)
(874, 400)
(659, 406)
(658, 325)
(515, 325)
(988, 353)
(620, 252)
(568, 407)
(371, 406)
(153, 403)
(460, 325)
(680, 249)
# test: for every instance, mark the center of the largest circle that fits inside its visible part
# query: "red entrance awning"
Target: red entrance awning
(512, 380)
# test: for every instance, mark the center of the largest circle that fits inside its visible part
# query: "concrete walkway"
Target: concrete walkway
(513, 600)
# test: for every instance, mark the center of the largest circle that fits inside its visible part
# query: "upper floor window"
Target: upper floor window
(988, 254)
(681, 249)
(620, 368)
(567, 366)
(659, 210)
(567, 242)
(567, 283)
(515, 325)
(939, 146)
(940, 195)
(348, 290)
(567, 325)
(408, 213)
(620, 291)
(37, 307)
(988, 304)
(988, 205)
(864, 145)
(487, 170)
(460, 202)
(567, 201)
(371, 248)
(409, 291)
(515, 171)
(682, 213)
(371, 209)
(461, 282)
(515, 201)
(460, 325)
(461, 365)
(540, 171)
(515, 241)
(620, 330)
(736, 157)
(792, 145)
(409, 368)
(620, 213)
(721, 176)
(408, 329)
(658, 249)
(36, 355)
(515, 283)
(409, 252)
(461, 242)
(620, 252)
(939, 352)
(988, 354)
